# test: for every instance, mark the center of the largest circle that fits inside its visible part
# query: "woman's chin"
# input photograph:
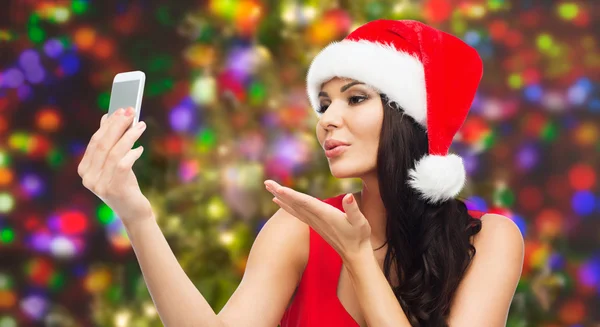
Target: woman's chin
(338, 170)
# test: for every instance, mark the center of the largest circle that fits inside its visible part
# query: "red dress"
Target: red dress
(316, 303)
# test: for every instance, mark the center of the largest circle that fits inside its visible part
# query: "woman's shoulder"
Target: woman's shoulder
(497, 232)
(296, 233)
(284, 223)
(496, 222)
(291, 235)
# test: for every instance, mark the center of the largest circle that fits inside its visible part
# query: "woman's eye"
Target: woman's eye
(322, 108)
(352, 100)
(355, 99)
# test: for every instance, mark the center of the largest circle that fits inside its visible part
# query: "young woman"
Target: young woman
(400, 252)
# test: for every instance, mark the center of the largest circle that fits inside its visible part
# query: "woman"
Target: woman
(400, 252)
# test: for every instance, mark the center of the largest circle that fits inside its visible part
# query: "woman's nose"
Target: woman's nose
(331, 117)
(329, 121)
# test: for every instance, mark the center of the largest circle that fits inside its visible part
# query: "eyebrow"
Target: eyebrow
(343, 89)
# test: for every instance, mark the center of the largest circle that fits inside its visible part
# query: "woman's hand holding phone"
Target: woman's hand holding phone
(106, 167)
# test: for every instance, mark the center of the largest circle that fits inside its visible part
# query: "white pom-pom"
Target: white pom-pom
(438, 178)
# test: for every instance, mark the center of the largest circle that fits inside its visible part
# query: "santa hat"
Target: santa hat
(431, 74)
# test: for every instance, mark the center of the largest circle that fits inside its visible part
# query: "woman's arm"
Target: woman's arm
(483, 297)
(376, 298)
(273, 270)
(486, 291)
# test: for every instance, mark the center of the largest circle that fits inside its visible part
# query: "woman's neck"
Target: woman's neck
(370, 204)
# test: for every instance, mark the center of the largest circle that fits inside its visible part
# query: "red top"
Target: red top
(316, 303)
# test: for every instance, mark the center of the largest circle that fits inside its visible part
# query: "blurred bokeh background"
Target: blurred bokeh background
(226, 109)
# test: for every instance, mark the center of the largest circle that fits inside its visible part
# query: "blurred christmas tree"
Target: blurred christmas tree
(226, 108)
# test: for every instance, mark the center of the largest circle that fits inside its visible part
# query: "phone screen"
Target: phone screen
(123, 95)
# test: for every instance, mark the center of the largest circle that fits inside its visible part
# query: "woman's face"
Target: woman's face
(353, 114)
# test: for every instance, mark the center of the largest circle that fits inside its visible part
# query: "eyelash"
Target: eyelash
(324, 107)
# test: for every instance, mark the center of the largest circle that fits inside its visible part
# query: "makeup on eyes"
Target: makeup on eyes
(354, 93)
(353, 99)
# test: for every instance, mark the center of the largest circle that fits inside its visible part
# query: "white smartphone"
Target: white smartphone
(127, 91)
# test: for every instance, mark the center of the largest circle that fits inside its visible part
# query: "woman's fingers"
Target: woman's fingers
(122, 147)
(123, 166)
(113, 129)
(86, 159)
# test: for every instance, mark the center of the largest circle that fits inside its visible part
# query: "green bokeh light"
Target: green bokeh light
(57, 281)
(160, 63)
(114, 293)
(515, 81)
(505, 197)
(34, 19)
(19, 140)
(36, 34)
(6, 282)
(105, 214)
(544, 41)
(550, 132)
(65, 41)
(496, 4)
(374, 10)
(207, 34)
(7, 235)
(104, 100)
(568, 10)
(55, 158)
(257, 93)
(206, 140)
(226, 8)
(489, 140)
(164, 16)
(4, 159)
(159, 87)
(79, 6)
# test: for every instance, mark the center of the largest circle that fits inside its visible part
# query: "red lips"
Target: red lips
(331, 143)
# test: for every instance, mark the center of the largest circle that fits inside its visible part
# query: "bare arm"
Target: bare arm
(106, 169)
(483, 296)
(376, 298)
(274, 267)
(273, 271)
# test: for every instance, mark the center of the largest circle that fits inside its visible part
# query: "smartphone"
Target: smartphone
(127, 91)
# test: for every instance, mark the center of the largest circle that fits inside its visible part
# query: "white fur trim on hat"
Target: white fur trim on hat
(396, 73)
(438, 178)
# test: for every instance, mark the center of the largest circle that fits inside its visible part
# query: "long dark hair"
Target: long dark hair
(429, 244)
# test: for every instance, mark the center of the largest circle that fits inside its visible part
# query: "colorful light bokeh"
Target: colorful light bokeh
(226, 108)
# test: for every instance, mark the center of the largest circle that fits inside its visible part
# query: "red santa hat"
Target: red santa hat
(431, 74)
